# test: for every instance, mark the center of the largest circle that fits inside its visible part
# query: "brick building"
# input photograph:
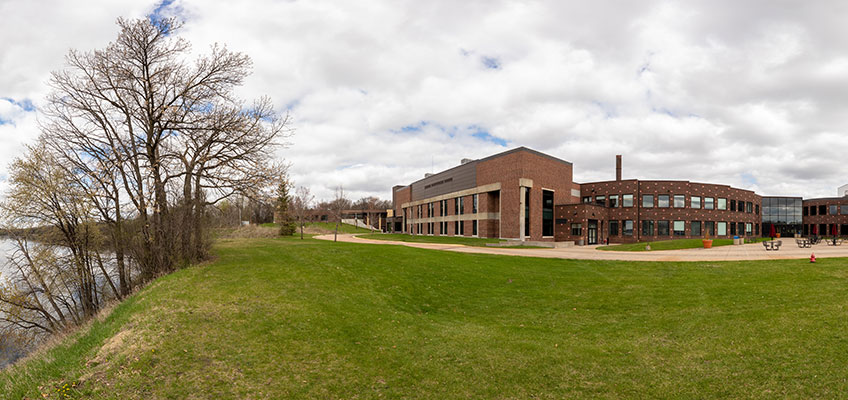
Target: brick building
(527, 195)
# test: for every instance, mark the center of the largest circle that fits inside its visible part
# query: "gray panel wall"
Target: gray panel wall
(455, 179)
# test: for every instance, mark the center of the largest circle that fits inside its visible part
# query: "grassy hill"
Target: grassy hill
(285, 318)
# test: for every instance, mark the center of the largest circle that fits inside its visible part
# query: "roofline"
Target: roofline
(672, 180)
(501, 154)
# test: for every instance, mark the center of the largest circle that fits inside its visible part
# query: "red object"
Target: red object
(771, 231)
(815, 229)
(833, 230)
(812, 257)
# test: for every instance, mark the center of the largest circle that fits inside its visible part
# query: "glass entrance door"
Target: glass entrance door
(593, 232)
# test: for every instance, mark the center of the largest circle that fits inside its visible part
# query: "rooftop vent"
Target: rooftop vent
(465, 161)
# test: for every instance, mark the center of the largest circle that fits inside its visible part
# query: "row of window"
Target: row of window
(458, 228)
(459, 207)
(677, 228)
(825, 229)
(675, 201)
(826, 209)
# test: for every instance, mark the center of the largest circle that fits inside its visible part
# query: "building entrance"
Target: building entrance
(593, 232)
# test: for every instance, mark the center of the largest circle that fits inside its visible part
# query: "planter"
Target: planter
(778, 235)
(708, 243)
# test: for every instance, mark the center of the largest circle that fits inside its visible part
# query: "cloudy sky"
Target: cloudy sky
(753, 94)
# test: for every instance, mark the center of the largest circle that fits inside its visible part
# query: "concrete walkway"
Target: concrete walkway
(755, 251)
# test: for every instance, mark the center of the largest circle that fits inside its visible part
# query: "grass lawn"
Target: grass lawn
(325, 227)
(676, 244)
(400, 237)
(285, 318)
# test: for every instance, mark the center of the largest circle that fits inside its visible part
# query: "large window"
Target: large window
(679, 228)
(627, 200)
(749, 228)
(474, 228)
(749, 207)
(722, 228)
(708, 203)
(843, 209)
(785, 213)
(613, 200)
(695, 202)
(527, 212)
(663, 201)
(474, 204)
(733, 205)
(709, 228)
(721, 204)
(647, 200)
(547, 213)
(695, 226)
(443, 208)
(628, 227)
(679, 201)
(832, 210)
(613, 228)
(662, 228)
(647, 228)
(813, 210)
(576, 230)
(822, 209)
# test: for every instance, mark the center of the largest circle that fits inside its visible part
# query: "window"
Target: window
(722, 228)
(647, 228)
(832, 210)
(709, 228)
(576, 230)
(732, 228)
(628, 228)
(843, 209)
(420, 229)
(741, 206)
(627, 200)
(733, 205)
(708, 203)
(679, 228)
(695, 226)
(679, 201)
(445, 227)
(613, 201)
(721, 204)
(456, 206)
(561, 221)
(587, 199)
(527, 212)
(443, 208)
(757, 229)
(456, 228)
(647, 200)
(431, 228)
(431, 210)
(547, 213)
(601, 201)
(806, 212)
(474, 228)
(662, 200)
(749, 207)
(474, 204)
(662, 228)
(462, 228)
(749, 228)
(757, 207)
(822, 209)
(613, 228)
(420, 208)
(461, 206)
(695, 202)
(813, 210)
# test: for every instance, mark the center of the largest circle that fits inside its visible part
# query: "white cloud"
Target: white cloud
(749, 94)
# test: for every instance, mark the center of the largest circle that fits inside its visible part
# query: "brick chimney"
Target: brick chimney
(618, 167)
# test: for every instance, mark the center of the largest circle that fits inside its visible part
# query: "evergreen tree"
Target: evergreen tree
(283, 215)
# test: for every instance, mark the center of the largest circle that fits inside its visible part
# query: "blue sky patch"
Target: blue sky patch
(487, 137)
(491, 62)
(25, 104)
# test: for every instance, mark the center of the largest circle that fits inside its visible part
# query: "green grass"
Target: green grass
(325, 226)
(467, 241)
(675, 244)
(285, 318)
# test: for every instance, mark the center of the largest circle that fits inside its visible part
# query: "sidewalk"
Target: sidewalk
(754, 251)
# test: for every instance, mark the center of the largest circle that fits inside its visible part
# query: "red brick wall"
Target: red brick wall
(543, 171)
(839, 219)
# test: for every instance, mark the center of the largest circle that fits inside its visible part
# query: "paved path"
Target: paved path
(754, 251)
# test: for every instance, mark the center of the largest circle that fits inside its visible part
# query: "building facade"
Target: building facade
(527, 195)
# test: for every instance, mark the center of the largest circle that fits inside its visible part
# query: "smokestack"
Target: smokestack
(618, 167)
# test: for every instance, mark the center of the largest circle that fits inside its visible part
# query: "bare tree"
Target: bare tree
(300, 205)
(338, 206)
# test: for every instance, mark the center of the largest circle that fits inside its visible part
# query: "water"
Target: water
(6, 354)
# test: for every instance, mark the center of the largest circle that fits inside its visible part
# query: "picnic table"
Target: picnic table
(804, 242)
(772, 245)
(834, 242)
